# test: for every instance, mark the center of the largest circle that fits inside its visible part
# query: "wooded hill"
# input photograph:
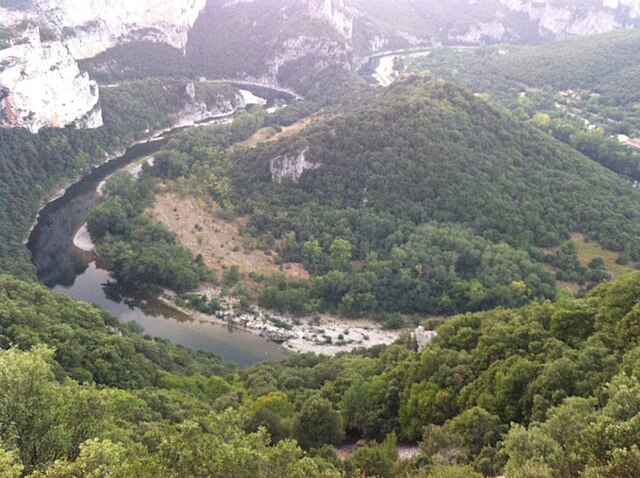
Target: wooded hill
(444, 202)
(608, 64)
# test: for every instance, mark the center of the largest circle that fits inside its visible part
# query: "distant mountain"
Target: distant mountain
(283, 42)
(271, 41)
(384, 24)
(288, 40)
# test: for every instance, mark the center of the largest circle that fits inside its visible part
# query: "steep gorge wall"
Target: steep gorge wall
(271, 41)
(40, 82)
(89, 27)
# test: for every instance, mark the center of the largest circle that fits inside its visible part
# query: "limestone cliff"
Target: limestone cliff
(272, 41)
(549, 20)
(41, 85)
(40, 82)
(89, 27)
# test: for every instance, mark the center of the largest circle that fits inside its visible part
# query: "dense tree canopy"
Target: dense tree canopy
(426, 199)
(548, 390)
(33, 166)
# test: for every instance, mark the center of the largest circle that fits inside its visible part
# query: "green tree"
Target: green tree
(340, 254)
(43, 419)
(377, 459)
(273, 412)
(447, 471)
(313, 255)
(10, 467)
(318, 424)
(97, 459)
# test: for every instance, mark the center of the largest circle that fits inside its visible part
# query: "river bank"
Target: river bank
(187, 118)
(323, 334)
(71, 270)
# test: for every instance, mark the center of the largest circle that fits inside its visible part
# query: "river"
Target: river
(67, 269)
(380, 69)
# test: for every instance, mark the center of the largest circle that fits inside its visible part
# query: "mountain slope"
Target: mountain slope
(271, 41)
(422, 199)
(431, 153)
(425, 150)
(402, 22)
(606, 63)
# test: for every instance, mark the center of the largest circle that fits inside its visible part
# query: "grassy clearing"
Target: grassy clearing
(588, 250)
(265, 135)
(219, 241)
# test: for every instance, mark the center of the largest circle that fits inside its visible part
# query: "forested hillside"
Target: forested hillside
(607, 64)
(548, 390)
(425, 199)
(426, 203)
(31, 166)
(582, 91)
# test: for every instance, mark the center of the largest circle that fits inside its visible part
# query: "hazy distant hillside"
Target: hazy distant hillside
(487, 21)
(608, 64)
(288, 40)
(271, 40)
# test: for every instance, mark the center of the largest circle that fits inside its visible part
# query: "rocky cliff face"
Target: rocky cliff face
(41, 85)
(291, 166)
(89, 27)
(489, 21)
(271, 41)
(335, 13)
(559, 20)
(40, 82)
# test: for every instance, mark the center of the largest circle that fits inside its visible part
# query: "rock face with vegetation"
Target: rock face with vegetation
(271, 41)
(89, 27)
(40, 82)
(419, 203)
(383, 25)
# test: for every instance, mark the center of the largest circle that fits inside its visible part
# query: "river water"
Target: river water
(65, 268)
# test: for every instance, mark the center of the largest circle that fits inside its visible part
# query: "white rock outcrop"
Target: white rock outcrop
(40, 82)
(291, 167)
(477, 33)
(336, 13)
(423, 337)
(41, 85)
